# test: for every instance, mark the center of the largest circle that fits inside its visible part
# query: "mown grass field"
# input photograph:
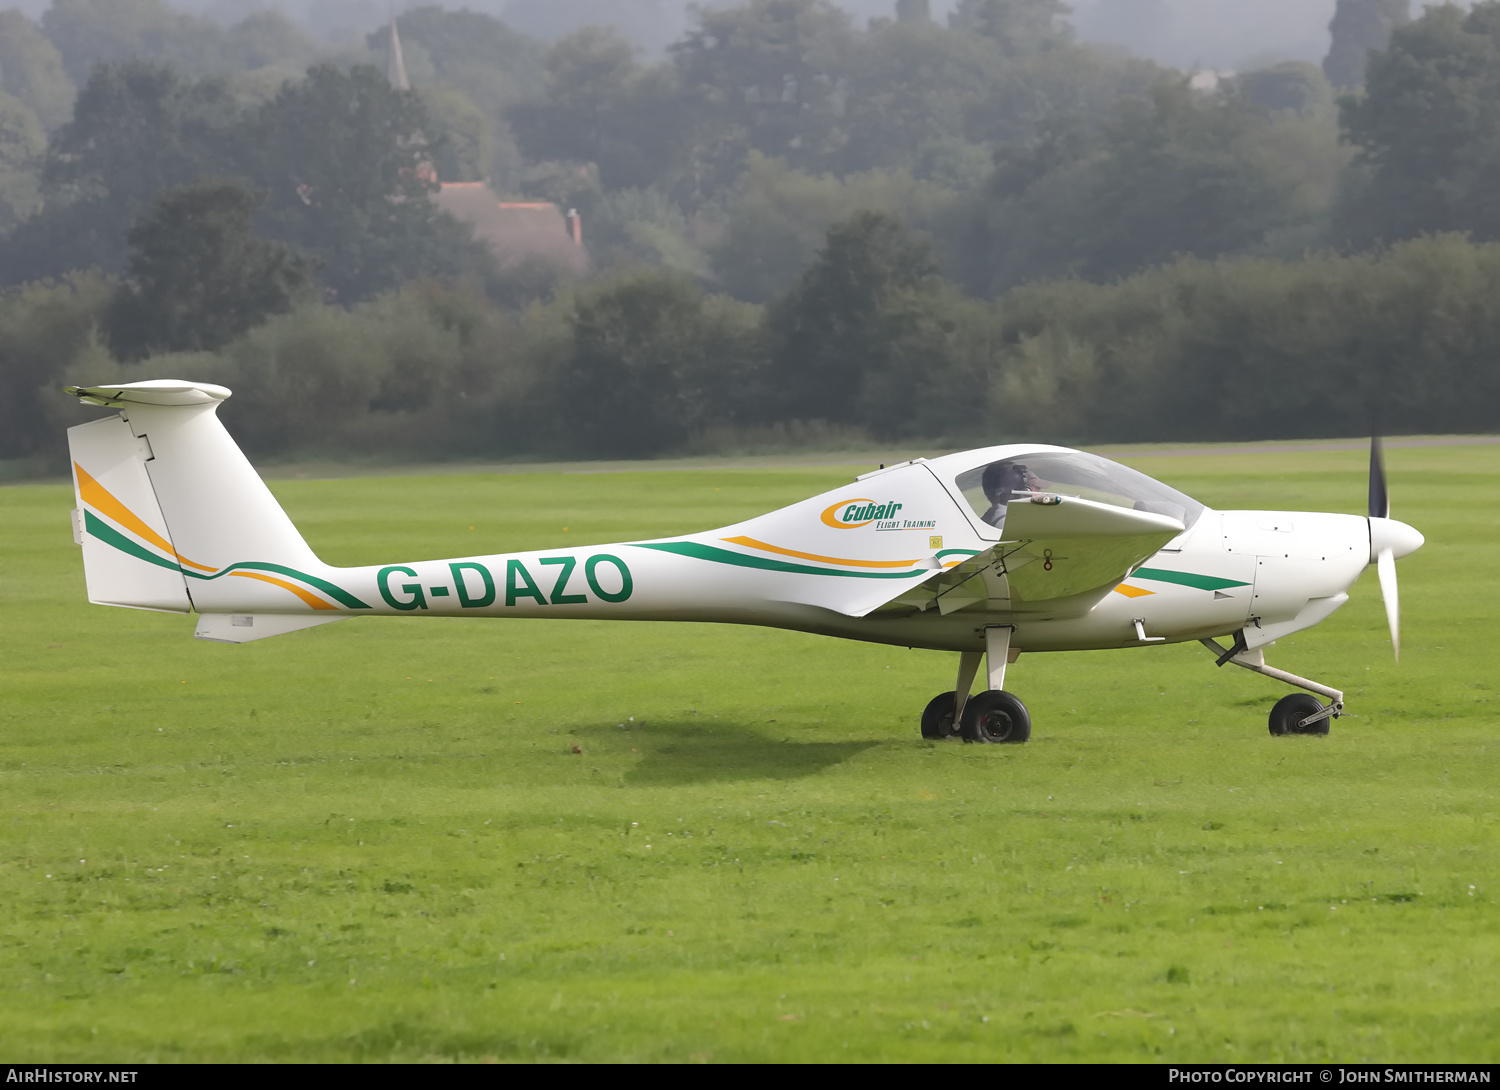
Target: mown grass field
(374, 841)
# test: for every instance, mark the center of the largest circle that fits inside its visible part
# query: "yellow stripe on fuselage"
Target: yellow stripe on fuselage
(306, 596)
(750, 542)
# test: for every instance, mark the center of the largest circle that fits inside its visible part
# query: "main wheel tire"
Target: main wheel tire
(1291, 710)
(937, 719)
(995, 716)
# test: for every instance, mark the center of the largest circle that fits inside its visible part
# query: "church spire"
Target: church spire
(395, 64)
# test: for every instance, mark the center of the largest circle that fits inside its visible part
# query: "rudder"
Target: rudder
(128, 558)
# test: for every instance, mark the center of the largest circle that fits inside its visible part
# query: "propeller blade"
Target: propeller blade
(1385, 567)
(1380, 499)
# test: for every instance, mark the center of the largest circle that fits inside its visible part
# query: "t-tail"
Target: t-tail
(172, 517)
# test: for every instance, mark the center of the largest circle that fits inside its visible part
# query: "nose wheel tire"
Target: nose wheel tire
(1291, 710)
(995, 716)
(937, 719)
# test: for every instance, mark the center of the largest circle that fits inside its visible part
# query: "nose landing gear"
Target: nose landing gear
(1299, 713)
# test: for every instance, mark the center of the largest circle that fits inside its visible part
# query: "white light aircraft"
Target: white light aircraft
(988, 553)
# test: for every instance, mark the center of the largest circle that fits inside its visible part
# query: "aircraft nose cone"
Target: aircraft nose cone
(1399, 538)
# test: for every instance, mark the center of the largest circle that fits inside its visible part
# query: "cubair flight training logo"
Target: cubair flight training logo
(855, 513)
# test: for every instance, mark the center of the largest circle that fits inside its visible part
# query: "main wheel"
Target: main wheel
(937, 719)
(1291, 710)
(995, 716)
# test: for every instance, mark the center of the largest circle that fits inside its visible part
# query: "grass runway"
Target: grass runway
(374, 841)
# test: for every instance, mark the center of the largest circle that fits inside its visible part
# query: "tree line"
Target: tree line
(868, 344)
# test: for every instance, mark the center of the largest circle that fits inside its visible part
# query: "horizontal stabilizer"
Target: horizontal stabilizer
(156, 391)
(244, 627)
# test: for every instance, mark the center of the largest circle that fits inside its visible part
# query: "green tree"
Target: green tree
(589, 74)
(643, 227)
(765, 76)
(1358, 27)
(1295, 86)
(1016, 26)
(838, 331)
(467, 149)
(601, 106)
(266, 38)
(345, 159)
(1259, 348)
(88, 33)
(21, 147)
(1428, 130)
(198, 276)
(31, 69)
(781, 216)
(48, 334)
(652, 361)
(1175, 173)
(1034, 89)
(136, 129)
(912, 88)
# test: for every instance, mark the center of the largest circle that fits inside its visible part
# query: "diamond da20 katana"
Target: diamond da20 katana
(987, 553)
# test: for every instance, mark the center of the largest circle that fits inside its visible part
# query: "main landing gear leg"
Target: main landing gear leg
(995, 715)
(941, 718)
(991, 716)
(1298, 713)
(968, 666)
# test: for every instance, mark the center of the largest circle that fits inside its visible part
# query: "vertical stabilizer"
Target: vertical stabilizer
(191, 506)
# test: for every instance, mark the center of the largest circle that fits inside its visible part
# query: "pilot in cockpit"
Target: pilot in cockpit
(1001, 481)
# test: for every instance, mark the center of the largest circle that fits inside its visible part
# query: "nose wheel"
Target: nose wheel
(1300, 713)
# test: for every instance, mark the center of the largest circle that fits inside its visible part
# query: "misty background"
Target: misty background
(1220, 34)
(628, 228)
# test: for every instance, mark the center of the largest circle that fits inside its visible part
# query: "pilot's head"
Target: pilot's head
(1002, 480)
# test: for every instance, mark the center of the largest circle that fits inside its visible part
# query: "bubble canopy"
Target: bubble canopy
(990, 479)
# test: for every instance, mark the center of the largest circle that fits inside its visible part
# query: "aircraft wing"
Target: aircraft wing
(1061, 554)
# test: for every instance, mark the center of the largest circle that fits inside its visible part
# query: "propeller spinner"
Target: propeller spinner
(1389, 541)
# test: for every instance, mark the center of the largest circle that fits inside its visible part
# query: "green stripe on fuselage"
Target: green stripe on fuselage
(111, 536)
(338, 594)
(1186, 579)
(724, 556)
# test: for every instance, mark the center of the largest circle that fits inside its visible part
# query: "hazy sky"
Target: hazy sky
(1190, 33)
(1233, 34)
(1214, 33)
